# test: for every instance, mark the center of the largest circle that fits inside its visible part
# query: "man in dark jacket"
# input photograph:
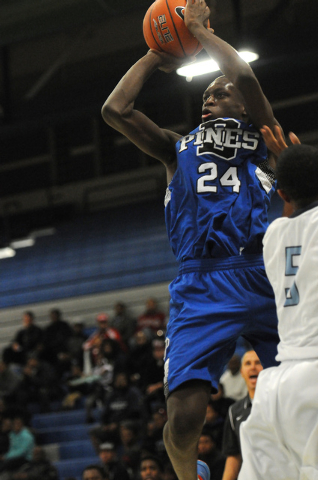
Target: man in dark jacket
(39, 468)
(26, 341)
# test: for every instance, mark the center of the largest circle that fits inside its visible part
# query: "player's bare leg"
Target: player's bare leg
(186, 408)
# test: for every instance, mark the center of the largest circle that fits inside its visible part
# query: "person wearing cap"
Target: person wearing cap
(102, 332)
(109, 461)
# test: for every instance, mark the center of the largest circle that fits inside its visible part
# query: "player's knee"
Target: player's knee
(184, 423)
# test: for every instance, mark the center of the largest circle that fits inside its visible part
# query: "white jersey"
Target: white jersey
(291, 263)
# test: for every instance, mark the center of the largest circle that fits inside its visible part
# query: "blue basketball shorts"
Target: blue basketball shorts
(213, 302)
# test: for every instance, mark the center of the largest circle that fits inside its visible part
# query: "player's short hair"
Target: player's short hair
(297, 173)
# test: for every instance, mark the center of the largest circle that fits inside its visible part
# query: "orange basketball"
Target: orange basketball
(164, 29)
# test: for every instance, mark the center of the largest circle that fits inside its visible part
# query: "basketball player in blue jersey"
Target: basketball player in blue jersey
(219, 189)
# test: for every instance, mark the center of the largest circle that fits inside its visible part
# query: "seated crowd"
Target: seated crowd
(116, 372)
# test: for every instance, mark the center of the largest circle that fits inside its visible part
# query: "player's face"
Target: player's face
(222, 99)
(250, 369)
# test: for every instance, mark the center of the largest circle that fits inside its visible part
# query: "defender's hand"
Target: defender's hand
(275, 141)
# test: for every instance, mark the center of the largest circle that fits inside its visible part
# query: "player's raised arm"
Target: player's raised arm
(231, 64)
(119, 112)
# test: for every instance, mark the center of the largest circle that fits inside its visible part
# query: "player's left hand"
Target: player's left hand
(274, 139)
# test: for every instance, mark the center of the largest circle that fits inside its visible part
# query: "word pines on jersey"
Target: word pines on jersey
(164, 29)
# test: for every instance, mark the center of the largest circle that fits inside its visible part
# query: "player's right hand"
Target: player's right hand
(170, 63)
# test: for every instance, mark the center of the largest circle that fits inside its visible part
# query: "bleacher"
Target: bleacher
(105, 251)
(65, 438)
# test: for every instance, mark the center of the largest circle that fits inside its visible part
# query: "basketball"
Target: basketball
(164, 29)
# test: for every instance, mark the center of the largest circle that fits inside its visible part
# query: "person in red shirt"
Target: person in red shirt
(103, 331)
(152, 319)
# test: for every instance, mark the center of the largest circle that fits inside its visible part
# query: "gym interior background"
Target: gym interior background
(92, 201)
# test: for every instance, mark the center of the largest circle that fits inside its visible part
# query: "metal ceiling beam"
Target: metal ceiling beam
(238, 21)
(55, 67)
(274, 15)
(6, 84)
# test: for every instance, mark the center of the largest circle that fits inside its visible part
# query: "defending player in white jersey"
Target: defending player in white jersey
(280, 438)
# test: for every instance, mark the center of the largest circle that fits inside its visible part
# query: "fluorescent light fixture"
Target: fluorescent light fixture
(43, 232)
(22, 243)
(6, 252)
(208, 66)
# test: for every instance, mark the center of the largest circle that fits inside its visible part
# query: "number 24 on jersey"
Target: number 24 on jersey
(210, 170)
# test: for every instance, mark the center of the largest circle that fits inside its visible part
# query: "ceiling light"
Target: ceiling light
(22, 243)
(208, 66)
(43, 232)
(6, 252)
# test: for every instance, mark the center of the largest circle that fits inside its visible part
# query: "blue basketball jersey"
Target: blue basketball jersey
(217, 202)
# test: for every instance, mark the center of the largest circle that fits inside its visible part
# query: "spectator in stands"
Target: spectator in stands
(214, 422)
(152, 443)
(75, 343)
(94, 472)
(238, 413)
(3, 409)
(111, 464)
(77, 385)
(124, 402)
(129, 449)
(55, 341)
(123, 322)
(151, 376)
(232, 381)
(39, 468)
(211, 455)
(151, 468)
(221, 403)
(21, 444)
(39, 384)
(93, 343)
(9, 382)
(73, 353)
(5, 429)
(152, 319)
(111, 359)
(27, 341)
(140, 353)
